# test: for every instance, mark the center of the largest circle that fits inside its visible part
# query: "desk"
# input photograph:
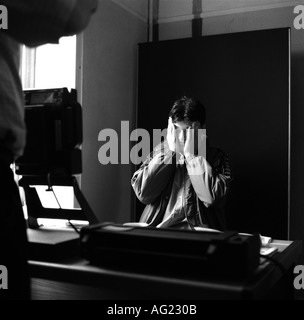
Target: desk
(76, 279)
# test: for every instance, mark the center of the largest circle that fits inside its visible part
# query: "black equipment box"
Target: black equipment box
(170, 251)
(50, 97)
(52, 245)
(53, 119)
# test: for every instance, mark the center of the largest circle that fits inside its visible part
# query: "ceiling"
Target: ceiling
(175, 8)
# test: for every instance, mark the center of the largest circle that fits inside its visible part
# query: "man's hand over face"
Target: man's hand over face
(172, 139)
(195, 143)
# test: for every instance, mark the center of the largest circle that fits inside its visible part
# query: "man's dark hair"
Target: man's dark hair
(188, 110)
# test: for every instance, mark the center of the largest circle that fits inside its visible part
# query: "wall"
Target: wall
(276, 18)
(176, 21)
(109, 97)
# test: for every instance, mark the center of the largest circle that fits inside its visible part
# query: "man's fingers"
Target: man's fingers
(170, 125)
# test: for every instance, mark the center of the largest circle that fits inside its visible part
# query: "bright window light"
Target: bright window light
(55, 64)
(50, 65)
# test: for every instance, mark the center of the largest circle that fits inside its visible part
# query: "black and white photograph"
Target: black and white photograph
(151, 153)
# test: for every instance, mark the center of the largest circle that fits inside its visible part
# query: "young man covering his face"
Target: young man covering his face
(184, 182)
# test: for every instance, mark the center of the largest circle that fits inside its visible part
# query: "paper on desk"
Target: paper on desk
(265, 241)
(206, 229)
(135, 224)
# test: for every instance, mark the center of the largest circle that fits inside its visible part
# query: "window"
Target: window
(50, 65)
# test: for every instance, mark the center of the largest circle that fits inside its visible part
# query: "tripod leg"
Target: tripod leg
(88, 212)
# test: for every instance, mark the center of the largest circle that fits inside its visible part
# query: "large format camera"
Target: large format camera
(53, 119)
(52, 155)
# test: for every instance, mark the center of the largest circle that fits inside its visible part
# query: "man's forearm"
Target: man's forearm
(149, 181)
(208, 186)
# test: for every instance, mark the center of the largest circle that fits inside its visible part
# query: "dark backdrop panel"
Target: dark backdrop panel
(243, 80)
